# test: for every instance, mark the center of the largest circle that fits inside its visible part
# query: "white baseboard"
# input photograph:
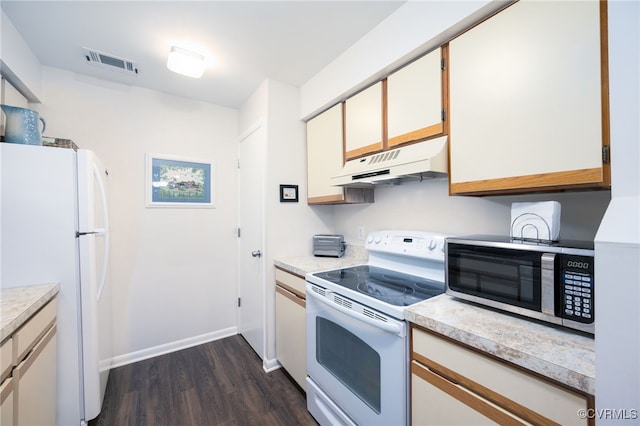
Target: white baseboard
(269, 365)
(166, 348)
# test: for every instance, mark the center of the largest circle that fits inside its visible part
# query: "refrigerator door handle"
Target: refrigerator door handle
(104, 232)
(99, 232)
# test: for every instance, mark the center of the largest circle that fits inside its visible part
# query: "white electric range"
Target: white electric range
(357, 336)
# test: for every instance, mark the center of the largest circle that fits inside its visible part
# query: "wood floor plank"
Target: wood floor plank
(221, 383)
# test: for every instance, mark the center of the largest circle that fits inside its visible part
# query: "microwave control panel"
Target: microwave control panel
(578, 288)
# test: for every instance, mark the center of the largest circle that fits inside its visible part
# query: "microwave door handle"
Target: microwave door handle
(547, 283)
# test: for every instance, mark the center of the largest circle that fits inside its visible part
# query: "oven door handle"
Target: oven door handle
(386, 326)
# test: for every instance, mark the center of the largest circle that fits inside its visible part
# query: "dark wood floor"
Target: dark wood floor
(218, 383)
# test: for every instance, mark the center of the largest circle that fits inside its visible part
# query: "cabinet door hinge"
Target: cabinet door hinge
(605, 154)
(239, 302)
(443, 64)
(444, 114)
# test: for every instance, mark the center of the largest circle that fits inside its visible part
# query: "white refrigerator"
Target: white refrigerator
(54, 228)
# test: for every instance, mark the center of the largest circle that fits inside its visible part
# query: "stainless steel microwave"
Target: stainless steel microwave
(551, 282)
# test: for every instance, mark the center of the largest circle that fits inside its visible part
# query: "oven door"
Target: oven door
(357, 360)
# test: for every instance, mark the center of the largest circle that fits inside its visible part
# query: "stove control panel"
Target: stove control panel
(420, 244)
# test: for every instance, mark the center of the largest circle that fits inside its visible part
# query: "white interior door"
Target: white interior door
(251, 263)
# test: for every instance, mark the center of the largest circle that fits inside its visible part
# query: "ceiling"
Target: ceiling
(288, 41)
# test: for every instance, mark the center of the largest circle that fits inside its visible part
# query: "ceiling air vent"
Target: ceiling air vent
(110, 62)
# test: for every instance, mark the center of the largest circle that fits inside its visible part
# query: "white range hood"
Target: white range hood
(421, 160)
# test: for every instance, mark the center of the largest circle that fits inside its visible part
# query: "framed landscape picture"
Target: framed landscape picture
(179, 182)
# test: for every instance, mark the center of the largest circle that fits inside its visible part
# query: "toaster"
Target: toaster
(328, 245)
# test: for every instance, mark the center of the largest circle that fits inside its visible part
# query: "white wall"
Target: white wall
(427, 206)
(172, 269)
(18, 64)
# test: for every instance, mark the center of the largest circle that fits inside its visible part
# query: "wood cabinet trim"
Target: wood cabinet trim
(484, 392)
(416, 135)
(344, 131)
(365, 150)
(290, 295)
(350, 196)
(604, 85)
(456, 391)
(5, 389)
(572, 179)
(290, 289)
(444, 54)
(327, 199)
(385, 127)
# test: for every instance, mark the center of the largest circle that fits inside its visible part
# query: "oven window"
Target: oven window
(350, 360)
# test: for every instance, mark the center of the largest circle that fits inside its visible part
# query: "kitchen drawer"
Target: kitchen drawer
(496, 380)
(6, 358)
(7, 396)
(28, 335)
(36, 383)
(469, 408)
(291, 282)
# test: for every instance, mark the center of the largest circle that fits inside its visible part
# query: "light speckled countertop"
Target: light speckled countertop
(18, 304)
(300, 265)
(562, 355)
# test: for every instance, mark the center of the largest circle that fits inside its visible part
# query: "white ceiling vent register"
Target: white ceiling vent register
(108, 61)
(427, 159)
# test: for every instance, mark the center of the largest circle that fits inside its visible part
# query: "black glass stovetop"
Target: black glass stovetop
(386, 285)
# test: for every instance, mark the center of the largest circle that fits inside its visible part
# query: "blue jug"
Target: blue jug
(22, 125)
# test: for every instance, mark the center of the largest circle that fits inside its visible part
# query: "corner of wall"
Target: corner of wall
(18, 65)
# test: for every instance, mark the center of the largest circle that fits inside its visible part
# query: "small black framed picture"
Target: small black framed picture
(288, 193)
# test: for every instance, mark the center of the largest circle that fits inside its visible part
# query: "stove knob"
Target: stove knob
(378, 239)
(432, 244)
(369, 239)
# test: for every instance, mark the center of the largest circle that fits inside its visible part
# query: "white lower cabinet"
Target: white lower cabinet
(28, 389)
(454, 385)
(290, 325)
(36, 378)
(6, 402)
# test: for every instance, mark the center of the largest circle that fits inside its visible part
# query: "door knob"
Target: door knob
(256, 253)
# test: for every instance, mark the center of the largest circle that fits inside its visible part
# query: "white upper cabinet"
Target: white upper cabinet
(363, 122)
(325, 149)
(528, 100)
(415, 100)
(324, 155)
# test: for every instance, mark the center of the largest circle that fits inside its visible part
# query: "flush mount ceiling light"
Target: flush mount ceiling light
(185, 62)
